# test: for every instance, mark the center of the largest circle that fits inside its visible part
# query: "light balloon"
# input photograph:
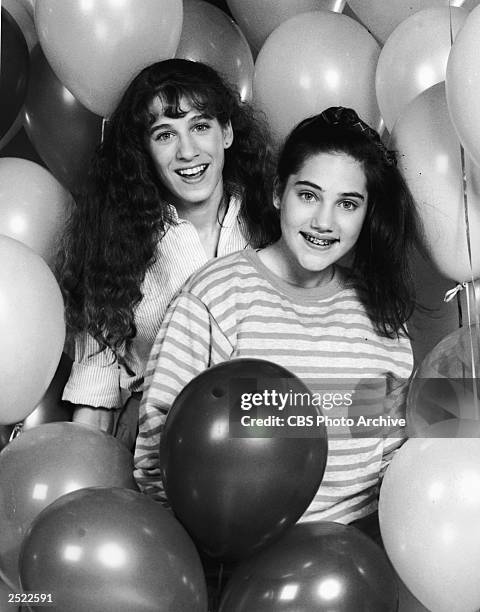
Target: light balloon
(429, 157)
(211, 37)
(33, 206)
(96, 48)
(381, 17)
(463, 86)
(32, 329)
(428, 510)
(258, 19)
(313, 61)
(414, 58)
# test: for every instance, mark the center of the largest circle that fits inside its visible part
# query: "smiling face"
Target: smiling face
(188, 153)
(322, 210)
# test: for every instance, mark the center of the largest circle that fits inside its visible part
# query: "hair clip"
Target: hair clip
(347, 118)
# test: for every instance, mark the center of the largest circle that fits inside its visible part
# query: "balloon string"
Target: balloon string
(474, 331)
(219, 586)
(104, 123)
(10, 585)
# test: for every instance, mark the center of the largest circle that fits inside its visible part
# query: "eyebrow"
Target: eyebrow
(199, 117)
(347, 194)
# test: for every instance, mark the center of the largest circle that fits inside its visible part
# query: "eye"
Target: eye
(348, 204)
(201, 127)
(307, 196)
(163, 136)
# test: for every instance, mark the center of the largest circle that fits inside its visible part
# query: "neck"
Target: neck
(278, 261)
(204, 216)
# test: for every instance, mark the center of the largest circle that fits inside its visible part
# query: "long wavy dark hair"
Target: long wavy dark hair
(122, 212)
(380, 270)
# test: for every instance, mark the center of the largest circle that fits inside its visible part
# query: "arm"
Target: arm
(188, 342)
(94, 384)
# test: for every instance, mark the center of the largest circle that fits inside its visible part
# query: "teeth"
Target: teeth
(192, 171)
(318, 241)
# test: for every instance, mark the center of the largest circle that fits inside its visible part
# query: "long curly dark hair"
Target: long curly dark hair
(121, 214)
(380, 270)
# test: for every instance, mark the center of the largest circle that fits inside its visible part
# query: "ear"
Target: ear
(227, 135)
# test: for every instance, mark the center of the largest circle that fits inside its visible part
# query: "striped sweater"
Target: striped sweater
(235, 307)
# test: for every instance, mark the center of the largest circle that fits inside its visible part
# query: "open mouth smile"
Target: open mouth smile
(319, 242)
(192, 173)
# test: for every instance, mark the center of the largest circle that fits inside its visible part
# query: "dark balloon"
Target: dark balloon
(20, 146)
(46, 462)
(14, 71)
(234, 495)
(211, 37)
(221, 4)
(64, 132)
(51, 408)
(315, 567)
(5, 434)
(112, 550)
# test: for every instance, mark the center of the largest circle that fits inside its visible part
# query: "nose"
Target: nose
(187, 147)
(322, 218)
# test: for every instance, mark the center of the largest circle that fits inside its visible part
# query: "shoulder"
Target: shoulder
(219, 272)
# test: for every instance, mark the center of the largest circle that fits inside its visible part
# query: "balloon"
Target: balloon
(42, 464)
(316, 566)
(462, 85)
(414, 58)
(382, 18)
(307, 65)
(32, 329)
(258, 19)
(442, 387)
(428, 510)
(96, 48)
(209, 36)
(20, 146)
(236, 494)
(63, 131)
(5, 434)
(429, 157)
(24, 19)
(52, 408)
(112, 550)
(33, 206)
(14, 71)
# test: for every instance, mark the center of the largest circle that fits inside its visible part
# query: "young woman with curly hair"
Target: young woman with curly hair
(182, 175)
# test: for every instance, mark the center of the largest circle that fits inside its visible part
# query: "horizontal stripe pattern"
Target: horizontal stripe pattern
(98, 378)
(232, 309)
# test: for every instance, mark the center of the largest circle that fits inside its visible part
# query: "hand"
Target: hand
(100, 418)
